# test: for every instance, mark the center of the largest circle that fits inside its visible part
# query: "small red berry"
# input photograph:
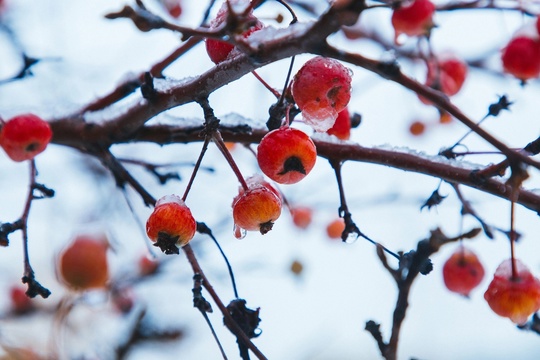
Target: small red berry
(173, 7)
(20, 302)
(83, 264)
(515, 297)
(413, 18)
(521, 58)
(462, 272)
(335, 228)
(25, 136)
(286, 155)
(417, 128)
(147, 266)
(321, 89)
(218, 50)
(301, 216)
(257, 208)
(342, 126)
(171, 224)
(447, 74)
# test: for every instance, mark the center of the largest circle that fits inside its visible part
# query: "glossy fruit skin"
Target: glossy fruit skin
(463, 271)
(321, 89)
(515, 298)
(521, 58)
(414, 18)
(83, 264)
(302, 216)
(342, 127)
(335, 228)
(257, 208)
(172, 218)
(217, 50)
(25, 136)
(286, 155)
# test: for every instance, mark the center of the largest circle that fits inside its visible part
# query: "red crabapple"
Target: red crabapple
(413, 18)
(286, 155)
(335, 228)
(417, 128)
(521, 58)
(218, 50)
(83, 264)
(24, 136)
(171, 224)
(257, 208)
(301, 216)
(173, 7)
(321, 89)
(342, 127)
(462, 272)
(447, 74)
(20, 302)
(515, 297)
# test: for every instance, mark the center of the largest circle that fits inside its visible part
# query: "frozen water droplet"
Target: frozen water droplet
(239, 233)
(351, 238)
(320, 119)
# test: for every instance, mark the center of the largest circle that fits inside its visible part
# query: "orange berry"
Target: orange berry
(335, 228)
(417, 128)
(83, 264)
(301, 216)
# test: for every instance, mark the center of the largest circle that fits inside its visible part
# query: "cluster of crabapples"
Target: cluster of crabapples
(321, 89)
(514, 292)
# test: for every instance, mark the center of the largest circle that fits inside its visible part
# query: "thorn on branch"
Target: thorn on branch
(44, 192)
(434, 199)
(502, 104)
(143, 19)
(199, 301)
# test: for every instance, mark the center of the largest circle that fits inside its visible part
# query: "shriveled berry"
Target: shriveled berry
(25, 136)
(463, 271)
(521, 58)
(321, 89)
(83, 264)
(286, 155)
(171, 224)
(515, 297)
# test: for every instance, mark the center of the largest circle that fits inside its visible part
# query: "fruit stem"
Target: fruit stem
(266, 85)
(512, 237)
(218, 140)
(196, 168)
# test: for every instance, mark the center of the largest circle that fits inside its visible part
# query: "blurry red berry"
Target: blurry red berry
(20, 302)
(25, 136)
(301, 216)
(462, 272)
(83, 264)
(171, 221)
(257, 208)
(321, 89)
(521, 58)
(286, 155)
(335, 228)
(515, 297)
(417, 128)
(147, 266)
(413, 18)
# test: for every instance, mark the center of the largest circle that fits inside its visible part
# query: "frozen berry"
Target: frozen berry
(413, 18)
(462, 272)
(25, 136)
(521, 58)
